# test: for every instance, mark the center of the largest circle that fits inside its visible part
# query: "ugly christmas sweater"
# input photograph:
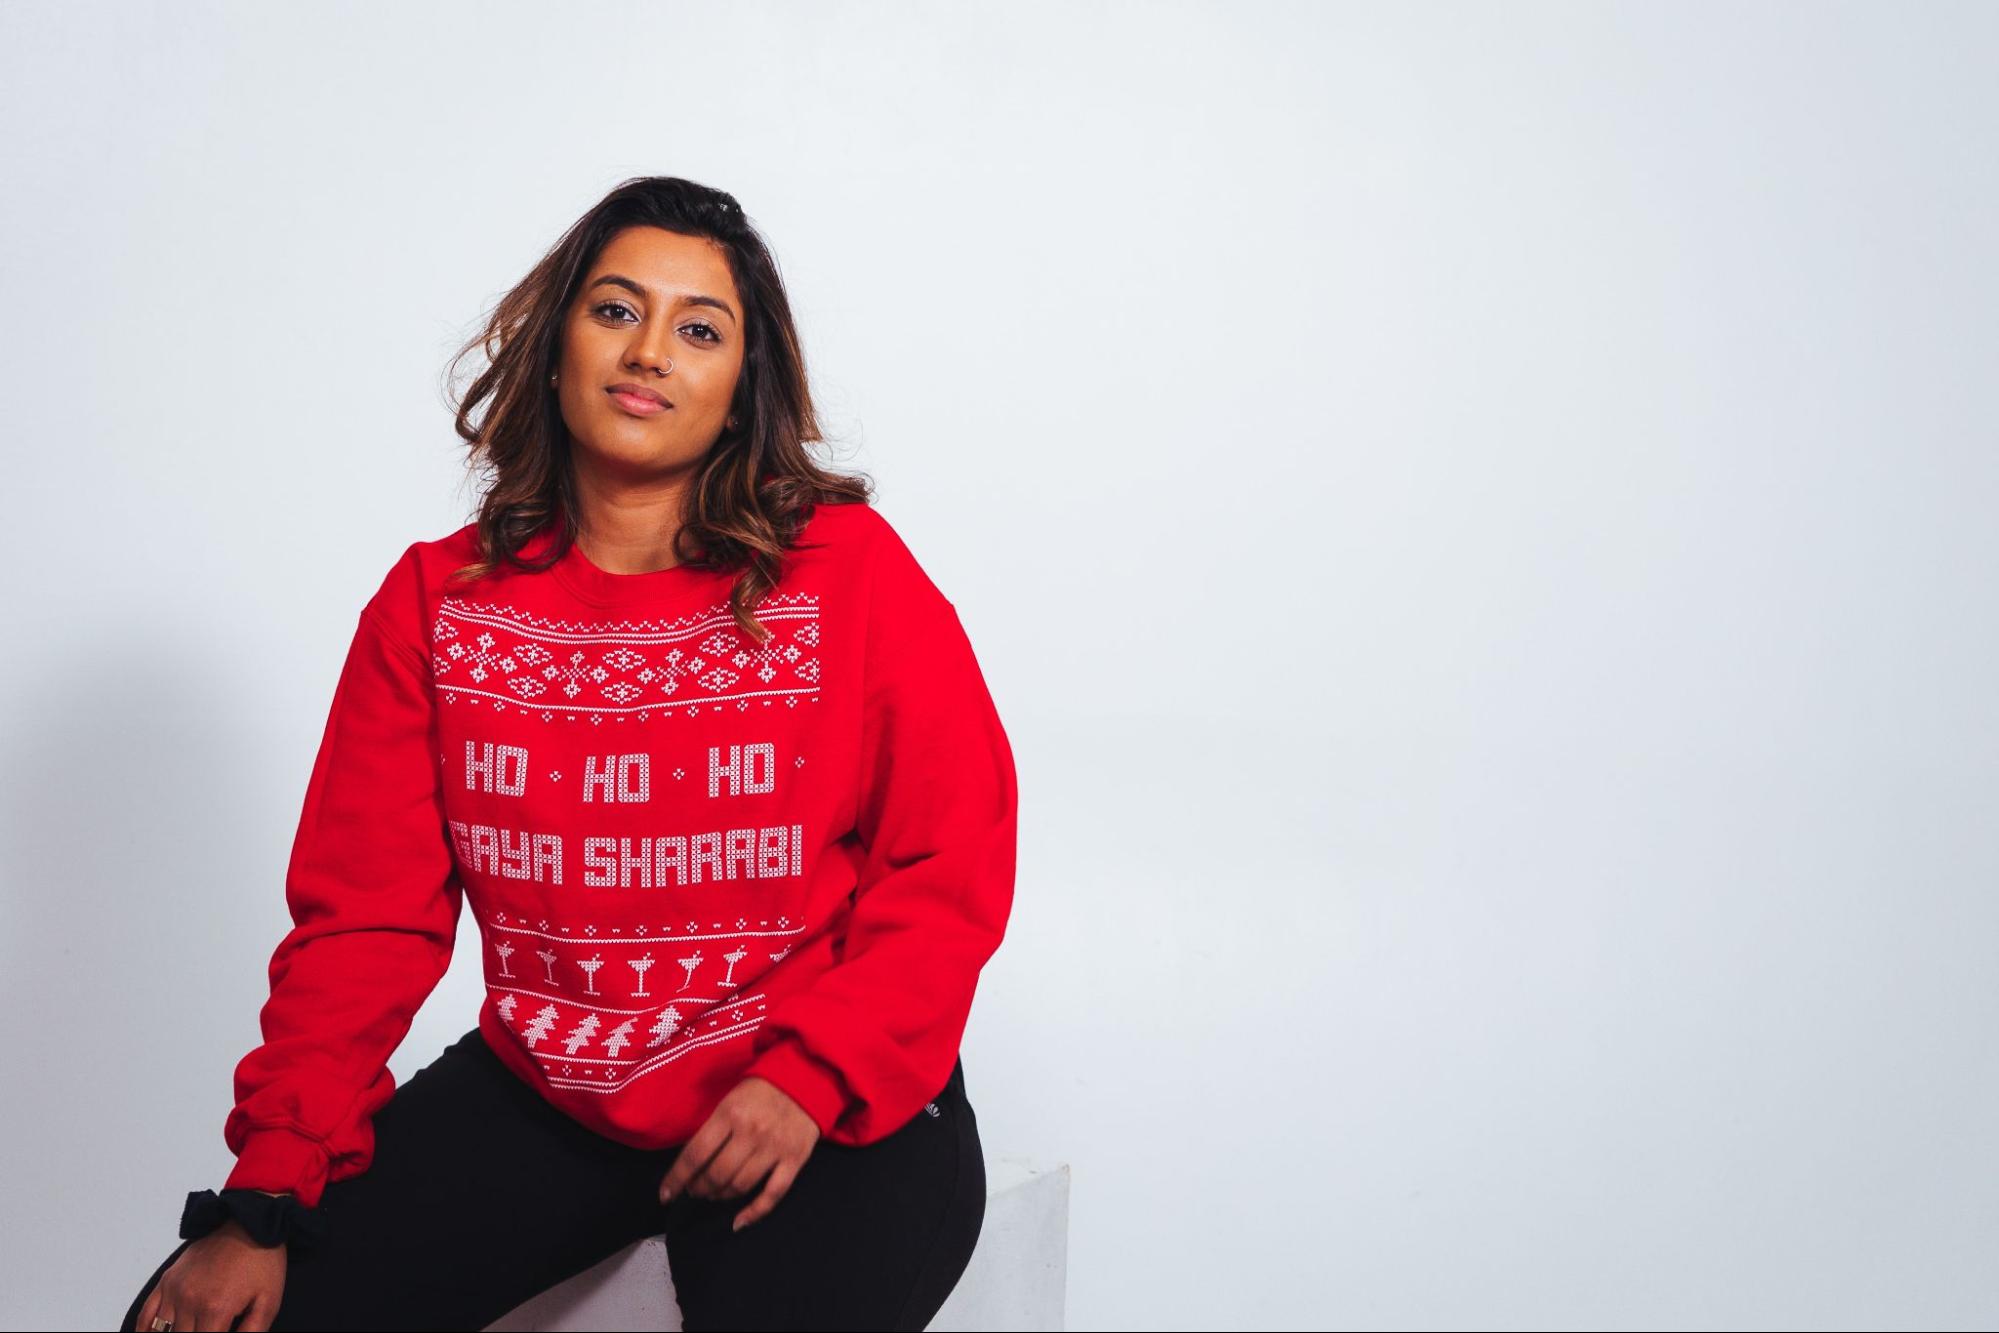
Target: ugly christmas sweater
(691, 856)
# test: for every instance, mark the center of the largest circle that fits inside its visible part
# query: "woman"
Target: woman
(713, 761)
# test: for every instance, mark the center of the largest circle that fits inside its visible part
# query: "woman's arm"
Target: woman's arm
(875, 1037)
(374, 897)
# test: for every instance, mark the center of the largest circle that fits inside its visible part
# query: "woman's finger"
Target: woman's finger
(259, 1316)
(774, 1189)
(144, 1318)
(751, 1173)
(154, 1308)
(713, 1180)
(693, 1155)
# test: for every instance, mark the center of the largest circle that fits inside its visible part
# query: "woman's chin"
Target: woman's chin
(637, 452)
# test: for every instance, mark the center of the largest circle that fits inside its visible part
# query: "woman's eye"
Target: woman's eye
(708, 332)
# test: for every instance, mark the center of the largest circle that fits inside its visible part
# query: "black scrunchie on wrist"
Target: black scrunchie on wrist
(270, 1219)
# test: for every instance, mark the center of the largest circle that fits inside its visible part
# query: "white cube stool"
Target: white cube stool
(1018, 1277)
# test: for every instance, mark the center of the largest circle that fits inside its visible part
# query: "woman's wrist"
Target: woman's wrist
(269, 1217)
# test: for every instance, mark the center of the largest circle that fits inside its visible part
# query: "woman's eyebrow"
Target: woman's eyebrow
(620, 280)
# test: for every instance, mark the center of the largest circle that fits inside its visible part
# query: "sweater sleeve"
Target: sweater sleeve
(873, 1038)
(374, 895)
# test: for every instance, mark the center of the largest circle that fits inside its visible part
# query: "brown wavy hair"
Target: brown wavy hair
(756, 486)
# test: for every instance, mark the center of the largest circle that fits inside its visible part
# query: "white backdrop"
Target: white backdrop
(1479, 521)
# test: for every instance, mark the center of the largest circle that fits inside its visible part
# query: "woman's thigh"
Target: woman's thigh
(479, 1195)
(866, 1238)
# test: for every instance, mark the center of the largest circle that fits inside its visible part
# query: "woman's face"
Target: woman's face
(658, 311)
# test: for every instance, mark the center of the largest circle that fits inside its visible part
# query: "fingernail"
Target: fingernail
(665, 1195)
(738, 1225)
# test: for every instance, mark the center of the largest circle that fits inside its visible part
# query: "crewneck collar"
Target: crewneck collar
(601, 587)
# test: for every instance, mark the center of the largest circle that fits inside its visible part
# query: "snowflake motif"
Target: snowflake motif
(555, 777)
(569, 675)
(740, 923)
(694, 925)
(736, 1014)
(484, 657)
(544, 925)
(784, 921)
(566, 1069)
(587, 930)
(679, 772)
(798, 762)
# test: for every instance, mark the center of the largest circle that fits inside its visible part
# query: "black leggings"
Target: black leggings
(481, 1195)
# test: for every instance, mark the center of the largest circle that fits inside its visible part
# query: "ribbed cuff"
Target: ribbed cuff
(811, 1083)
(279, 1160)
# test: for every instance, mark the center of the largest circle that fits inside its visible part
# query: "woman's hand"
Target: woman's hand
(757, 1129)
(218, 1277)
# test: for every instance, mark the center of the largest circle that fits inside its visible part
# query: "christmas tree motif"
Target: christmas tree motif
(539, 1025)
(621, 1037)
(590, 966)
(548, 956)
(662, 1031)
(506, 951)
(579, 1036)
(780, 953)
(506, 1008)
(690, 964)
(639, 965)
(735, 955)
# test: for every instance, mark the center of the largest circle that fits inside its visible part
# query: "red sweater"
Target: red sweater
(692, 857)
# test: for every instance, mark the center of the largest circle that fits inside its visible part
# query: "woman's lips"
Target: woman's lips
(637, 406)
